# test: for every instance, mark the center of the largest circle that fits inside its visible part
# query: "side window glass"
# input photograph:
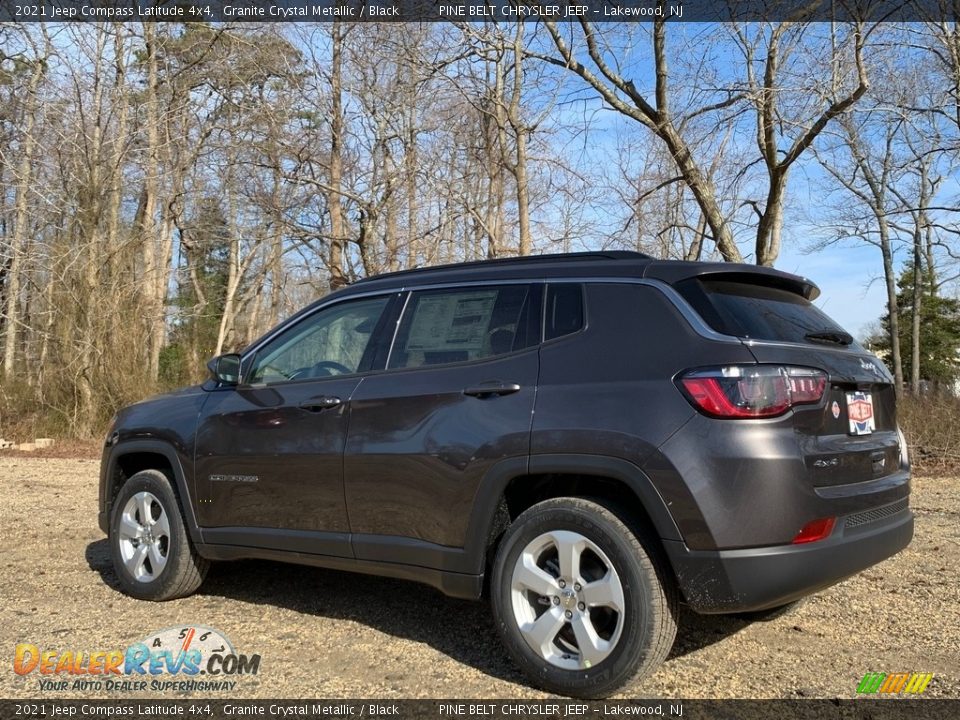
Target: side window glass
(564, 310)
(329, 342)
(448, 326)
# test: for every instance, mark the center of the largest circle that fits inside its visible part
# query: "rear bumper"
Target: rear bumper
(724, 581)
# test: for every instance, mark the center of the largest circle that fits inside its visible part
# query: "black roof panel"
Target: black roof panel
(612, 263)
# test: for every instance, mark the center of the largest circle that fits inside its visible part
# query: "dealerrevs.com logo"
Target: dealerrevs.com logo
(179, 659)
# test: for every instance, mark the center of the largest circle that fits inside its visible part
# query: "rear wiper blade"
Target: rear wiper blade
(834, 337)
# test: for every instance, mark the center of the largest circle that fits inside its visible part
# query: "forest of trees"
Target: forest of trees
(168, 192)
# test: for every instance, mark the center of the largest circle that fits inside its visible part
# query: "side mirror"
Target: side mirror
(225, 369)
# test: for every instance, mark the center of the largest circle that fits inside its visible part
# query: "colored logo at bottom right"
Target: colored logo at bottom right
(894, 683)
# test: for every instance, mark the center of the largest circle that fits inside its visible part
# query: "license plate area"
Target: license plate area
(860, 415)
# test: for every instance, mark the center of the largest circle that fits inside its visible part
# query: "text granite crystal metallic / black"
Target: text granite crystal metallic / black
(586, 439)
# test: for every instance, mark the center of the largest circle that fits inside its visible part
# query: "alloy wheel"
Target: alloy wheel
(567, 600)
(144, 536)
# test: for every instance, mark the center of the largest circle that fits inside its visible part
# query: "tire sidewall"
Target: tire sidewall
(157, 484)
(634, 642)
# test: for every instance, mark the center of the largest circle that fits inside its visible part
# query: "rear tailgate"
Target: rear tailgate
(851, 435)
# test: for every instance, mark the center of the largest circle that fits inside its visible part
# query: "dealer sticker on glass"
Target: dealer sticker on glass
(860, 413)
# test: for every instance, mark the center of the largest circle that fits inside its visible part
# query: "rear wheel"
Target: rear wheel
(581, 603)
(152, 554)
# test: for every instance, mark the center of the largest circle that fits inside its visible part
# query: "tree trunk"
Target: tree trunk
(890, 281)
(770, 225)
(413, 209)
(915, 319)
(148, 208)
(233, 276)
(338, 223)
(276, 236)
(18, 236)
(705, 193)
(520, 131)
(523, 196)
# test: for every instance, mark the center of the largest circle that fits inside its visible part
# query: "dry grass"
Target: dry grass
(932, 427)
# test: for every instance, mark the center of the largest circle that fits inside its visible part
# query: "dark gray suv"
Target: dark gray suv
(589, 439)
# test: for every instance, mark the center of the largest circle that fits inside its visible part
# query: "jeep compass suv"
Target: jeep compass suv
(589, 439)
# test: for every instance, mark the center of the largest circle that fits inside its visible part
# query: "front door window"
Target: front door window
(329, 343)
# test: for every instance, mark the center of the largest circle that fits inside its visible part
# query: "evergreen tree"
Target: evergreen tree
(939, 331)
(200, 295)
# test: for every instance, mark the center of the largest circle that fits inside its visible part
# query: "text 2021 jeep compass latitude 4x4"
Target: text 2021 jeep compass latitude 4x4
(592, 437)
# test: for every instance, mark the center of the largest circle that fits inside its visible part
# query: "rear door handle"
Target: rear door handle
(495, 388)
(319, 404)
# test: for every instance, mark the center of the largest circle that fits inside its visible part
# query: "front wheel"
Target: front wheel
(152, 553)
(581, 603)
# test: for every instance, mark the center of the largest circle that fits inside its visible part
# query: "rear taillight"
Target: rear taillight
(752, 391)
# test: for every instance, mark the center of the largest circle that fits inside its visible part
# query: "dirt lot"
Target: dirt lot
(330, 634)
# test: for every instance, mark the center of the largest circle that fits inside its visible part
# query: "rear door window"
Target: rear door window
(761, 313)
(464, 324)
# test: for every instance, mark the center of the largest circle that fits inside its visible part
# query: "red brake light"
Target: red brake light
(807, 387)
(815, 530)
(752, 391)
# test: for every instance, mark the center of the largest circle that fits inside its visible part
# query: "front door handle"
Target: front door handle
(319, 404)
(494, 388)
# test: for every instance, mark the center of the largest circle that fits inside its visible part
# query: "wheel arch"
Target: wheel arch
(510, 487)
(129, 458)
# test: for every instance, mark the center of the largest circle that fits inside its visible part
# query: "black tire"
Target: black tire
(184, 569)
(650, 597)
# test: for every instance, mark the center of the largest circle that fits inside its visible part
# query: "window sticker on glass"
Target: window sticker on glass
(452, 322)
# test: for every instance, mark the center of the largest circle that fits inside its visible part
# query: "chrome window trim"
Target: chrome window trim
(698, 324)
(396, 329)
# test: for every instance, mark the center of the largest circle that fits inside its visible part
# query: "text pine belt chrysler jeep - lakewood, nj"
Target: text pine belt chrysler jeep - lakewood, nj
(590, 439)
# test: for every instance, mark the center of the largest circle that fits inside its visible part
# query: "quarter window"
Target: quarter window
(448, 326)
(564, 312)
(330, 342)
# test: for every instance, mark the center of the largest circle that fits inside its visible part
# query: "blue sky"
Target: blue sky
(849, 275)
(850, 281)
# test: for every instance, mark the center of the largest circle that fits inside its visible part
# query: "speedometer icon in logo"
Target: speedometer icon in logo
(179, 641)
(189, 650)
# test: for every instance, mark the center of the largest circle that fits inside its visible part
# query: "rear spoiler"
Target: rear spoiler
(675, 272)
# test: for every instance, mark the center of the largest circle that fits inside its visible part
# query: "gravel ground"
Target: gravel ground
(330, 634)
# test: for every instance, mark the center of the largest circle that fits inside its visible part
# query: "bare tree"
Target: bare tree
(35, 64)
(765, 90)
(672, 115)
(657, 115)
(867, 172)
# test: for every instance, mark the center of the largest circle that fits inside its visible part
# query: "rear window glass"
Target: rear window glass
(761, 313)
